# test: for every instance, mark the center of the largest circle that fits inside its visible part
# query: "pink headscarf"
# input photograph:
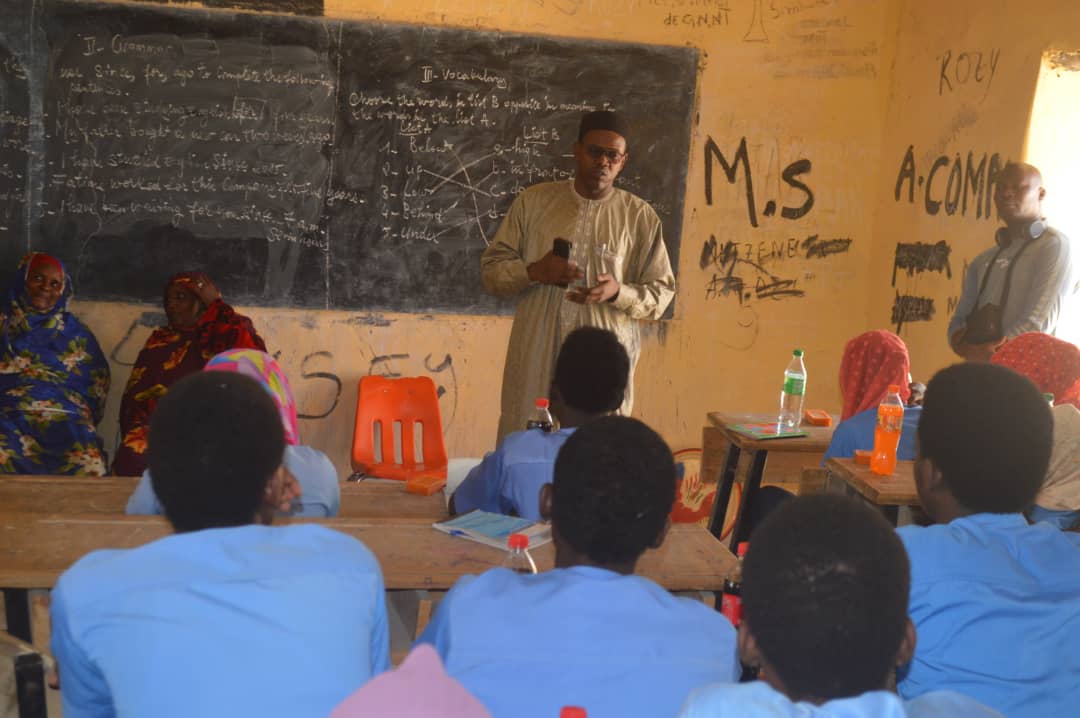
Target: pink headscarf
(871, 362)
(418, 688)
(1051, 363)
(261, 367)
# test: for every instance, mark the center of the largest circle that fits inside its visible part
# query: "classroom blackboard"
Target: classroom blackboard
(309, 162)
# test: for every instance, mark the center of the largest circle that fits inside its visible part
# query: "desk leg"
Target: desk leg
(724, 484)
(17, 610)
(892, 514)
(750, 489)
(30, 686)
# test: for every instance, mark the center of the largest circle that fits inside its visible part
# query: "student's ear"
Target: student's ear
(663, 533)
(546, 492)
(749, 653)
(928, 478)
(907, 645)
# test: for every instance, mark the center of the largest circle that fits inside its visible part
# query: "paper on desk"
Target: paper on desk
(494, 529)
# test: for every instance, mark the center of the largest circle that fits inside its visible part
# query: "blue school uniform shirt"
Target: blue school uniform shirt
(312, 468)
(508, 480)
(621, 646)
(996, 603)
(760, 700)
(857, 432)
(254, 620)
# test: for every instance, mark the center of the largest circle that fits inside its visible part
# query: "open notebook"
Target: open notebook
(494, 529)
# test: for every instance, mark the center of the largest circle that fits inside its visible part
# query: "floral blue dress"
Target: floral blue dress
(53, 383)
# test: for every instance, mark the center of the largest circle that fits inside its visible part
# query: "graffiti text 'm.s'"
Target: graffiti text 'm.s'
(790, 175)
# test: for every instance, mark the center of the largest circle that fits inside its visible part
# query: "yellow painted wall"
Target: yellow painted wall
(799, 80)
(965, 111)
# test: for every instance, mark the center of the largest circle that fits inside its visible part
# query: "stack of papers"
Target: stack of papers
(494, 529)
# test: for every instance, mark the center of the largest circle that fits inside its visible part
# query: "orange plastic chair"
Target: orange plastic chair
(388, 415)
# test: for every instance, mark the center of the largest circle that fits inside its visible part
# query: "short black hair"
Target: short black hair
(592, 370)
(215, 441)
(988, 431)
(613, 488)
(825, 595)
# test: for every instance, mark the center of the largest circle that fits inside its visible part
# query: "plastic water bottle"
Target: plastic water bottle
(541, 416)
(518, 559)
(890, 420)
(791, 398)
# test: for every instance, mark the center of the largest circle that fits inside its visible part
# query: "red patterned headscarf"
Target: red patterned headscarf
(1051, 363)
(871, 362)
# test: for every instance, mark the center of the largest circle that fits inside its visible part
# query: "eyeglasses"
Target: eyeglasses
(597, 152)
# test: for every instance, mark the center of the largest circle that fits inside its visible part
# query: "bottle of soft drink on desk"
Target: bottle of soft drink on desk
(731, 601)
(518, 559)
(791, 398)
(890, 420)
(541, 417)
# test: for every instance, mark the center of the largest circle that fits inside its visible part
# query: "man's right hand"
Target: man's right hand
(974, 352)
(550, 269)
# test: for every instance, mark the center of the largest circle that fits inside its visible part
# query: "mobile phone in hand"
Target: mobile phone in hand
(561, 247)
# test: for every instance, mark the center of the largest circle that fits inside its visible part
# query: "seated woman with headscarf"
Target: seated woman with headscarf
(53, 377)
(1053, 365)
(319, 490)
(871, 362)
(201, 325)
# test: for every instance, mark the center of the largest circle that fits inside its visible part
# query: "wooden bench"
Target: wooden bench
(72, 496)
(36, 548)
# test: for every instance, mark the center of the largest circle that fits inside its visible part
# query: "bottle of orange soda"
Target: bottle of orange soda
(890, 419)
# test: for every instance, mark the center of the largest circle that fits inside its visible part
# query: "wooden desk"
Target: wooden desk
(888, 493)
(36, 548)
(813, 445)
(70, 496)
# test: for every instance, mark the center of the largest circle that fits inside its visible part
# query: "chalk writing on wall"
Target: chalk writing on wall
(566, 7)
(739, 269)
(908, 308)
(791, 176)
(960, 69)
(968, 185)
(756, 32)
(306, 374)
(919, 257)
(441, 370)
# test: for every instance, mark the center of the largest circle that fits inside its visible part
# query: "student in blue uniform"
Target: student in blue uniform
(229, 616)
(588, 633)
(825, 586)
(996, 601)
(591, 372)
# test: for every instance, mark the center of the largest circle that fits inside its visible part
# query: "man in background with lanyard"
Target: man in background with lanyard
(1021, 284)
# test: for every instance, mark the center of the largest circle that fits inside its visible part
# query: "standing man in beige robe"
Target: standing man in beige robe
(618, 271)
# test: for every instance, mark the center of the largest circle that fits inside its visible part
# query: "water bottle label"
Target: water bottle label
(794, 385)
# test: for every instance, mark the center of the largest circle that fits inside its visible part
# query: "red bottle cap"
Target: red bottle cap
(894, 389)
(542, 403)
(573, 712)
(743, 546)
(518, 541)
